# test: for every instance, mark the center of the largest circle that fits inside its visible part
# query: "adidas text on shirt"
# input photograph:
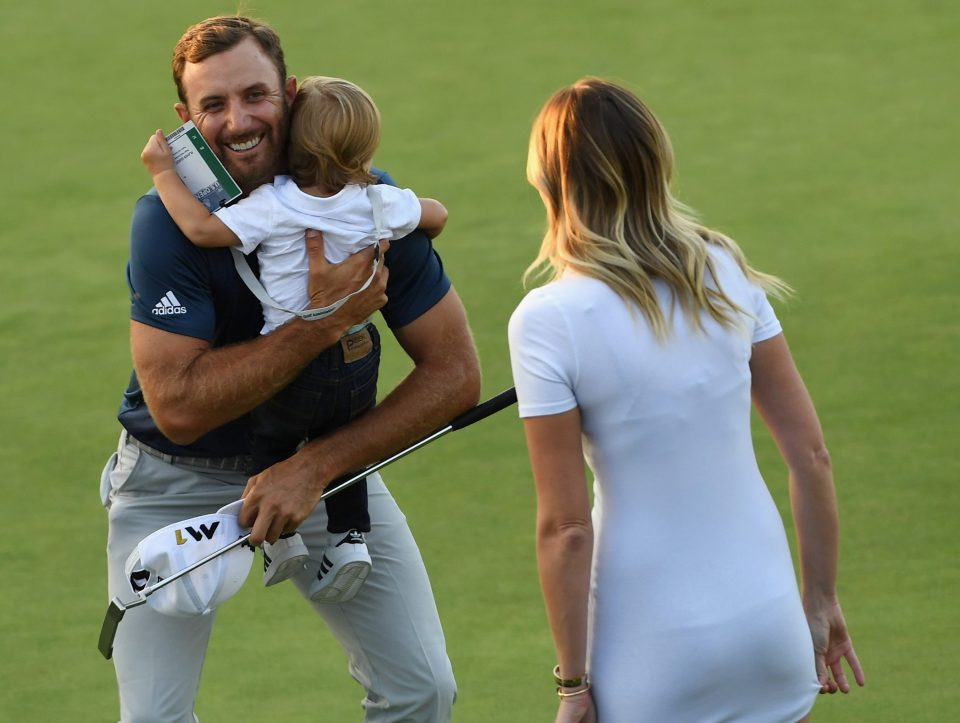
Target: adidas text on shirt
(169, 304)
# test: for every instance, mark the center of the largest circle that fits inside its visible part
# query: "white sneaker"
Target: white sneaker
(345, 565)
(283, 558)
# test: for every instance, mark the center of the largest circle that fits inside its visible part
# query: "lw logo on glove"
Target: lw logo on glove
(197, 535)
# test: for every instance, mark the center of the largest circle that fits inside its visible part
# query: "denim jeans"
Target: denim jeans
(327, 394)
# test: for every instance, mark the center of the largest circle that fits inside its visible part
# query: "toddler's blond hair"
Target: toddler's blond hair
(334, 132)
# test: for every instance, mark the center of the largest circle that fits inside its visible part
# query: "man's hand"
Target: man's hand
(156, 155)
(281, 497)
(330, 282)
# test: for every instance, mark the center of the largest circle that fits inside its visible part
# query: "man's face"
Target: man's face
(237, 101)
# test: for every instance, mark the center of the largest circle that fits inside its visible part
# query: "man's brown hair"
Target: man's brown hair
(217, 34)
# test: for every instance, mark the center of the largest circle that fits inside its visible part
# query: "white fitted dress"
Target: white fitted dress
(695, 613)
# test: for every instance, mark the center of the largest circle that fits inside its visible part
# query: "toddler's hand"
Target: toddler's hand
(156, 155)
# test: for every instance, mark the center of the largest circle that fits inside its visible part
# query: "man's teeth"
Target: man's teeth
(246, 145)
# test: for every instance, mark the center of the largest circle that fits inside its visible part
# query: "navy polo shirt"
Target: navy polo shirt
(194, 291)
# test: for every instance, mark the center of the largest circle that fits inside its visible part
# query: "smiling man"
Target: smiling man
(240, 98)
(184, 447)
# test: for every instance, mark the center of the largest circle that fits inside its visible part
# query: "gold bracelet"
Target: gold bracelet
(585, 689)
(567, 682)
(562, 683)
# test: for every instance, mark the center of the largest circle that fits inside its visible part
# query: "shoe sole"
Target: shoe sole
(344, 585)
(285, 570)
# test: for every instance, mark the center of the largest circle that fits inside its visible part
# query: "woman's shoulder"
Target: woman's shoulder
(541, 314)
(560, 297)
(727, 269)
(536, 301)
(721, 257)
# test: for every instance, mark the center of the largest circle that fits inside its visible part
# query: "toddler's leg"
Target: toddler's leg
(347, 509)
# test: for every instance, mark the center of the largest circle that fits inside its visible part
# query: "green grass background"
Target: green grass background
(821, 135)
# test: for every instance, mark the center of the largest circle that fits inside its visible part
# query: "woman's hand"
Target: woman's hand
(577, 709)
(831, 645)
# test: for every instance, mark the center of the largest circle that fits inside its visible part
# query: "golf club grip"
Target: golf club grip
(493, 405)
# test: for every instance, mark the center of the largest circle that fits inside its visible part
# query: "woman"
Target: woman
(678, 598)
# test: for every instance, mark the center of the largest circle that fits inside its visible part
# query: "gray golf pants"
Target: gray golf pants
(390, 631)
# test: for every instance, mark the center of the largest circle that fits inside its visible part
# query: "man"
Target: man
(200, 367)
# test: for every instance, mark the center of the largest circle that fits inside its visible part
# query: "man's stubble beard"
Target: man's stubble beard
(251, 178)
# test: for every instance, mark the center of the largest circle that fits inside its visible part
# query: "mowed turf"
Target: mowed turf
(820, 135)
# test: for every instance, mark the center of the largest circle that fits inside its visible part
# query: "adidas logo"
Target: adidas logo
(354, 537)
(169, 304)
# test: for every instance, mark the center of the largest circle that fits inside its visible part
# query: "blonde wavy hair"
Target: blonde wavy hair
(602, 164)
(334, 132)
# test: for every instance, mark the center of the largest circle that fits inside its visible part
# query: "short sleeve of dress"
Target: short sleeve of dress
(401, 210)
(542, 357)
(252, 218)
(167, 275)
(767, 324)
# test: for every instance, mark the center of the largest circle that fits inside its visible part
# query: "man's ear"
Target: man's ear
(182, 112)
(290, 89)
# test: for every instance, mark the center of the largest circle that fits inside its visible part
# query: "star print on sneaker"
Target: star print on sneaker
(343, 568)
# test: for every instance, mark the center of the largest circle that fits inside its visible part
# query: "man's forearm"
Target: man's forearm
(421, 403)
(192, 388)
(442, 385)
(209, 387)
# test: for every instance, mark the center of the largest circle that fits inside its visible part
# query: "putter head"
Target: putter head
(108, 630)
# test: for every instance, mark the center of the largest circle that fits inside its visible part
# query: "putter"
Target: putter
(117, 608)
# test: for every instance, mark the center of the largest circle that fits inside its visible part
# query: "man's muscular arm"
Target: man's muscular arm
(445, 381)
(192, 388)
